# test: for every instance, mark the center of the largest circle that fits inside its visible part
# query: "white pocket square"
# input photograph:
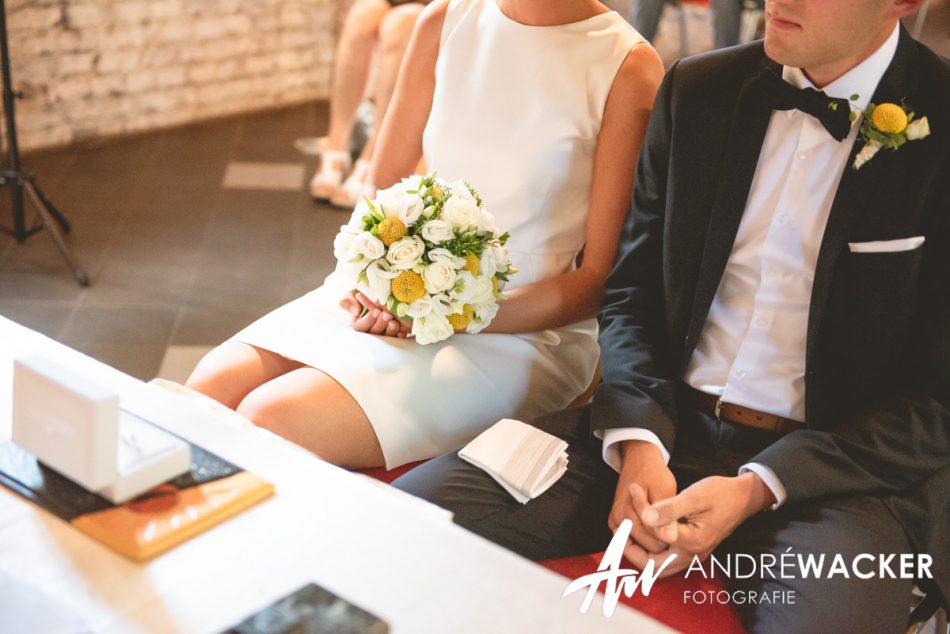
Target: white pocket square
(886, 246)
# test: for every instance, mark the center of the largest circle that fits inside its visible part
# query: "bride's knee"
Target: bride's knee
(215, 376)
(264, 410)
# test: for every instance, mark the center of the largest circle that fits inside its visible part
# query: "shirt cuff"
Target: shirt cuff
(770, 479)
(613, 438)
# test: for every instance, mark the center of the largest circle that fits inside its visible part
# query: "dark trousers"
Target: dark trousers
(571, 518)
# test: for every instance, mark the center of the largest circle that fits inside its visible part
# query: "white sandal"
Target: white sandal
(333, 165)
(350, 192)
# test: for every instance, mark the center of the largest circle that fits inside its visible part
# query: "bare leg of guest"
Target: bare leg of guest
(394, 34)
(351, 69)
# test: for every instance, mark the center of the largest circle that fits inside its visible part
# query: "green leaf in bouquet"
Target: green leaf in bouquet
(391, 304)
(471, 190)
(503, 238)
(362, 277)
(466, 241)
(402, 309)
(356, 258)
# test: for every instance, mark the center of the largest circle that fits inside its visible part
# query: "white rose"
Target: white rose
(471, 290)
(461, 213)
(405, 253)
(411, 183)
(443, 305)
(438, 277)
(343, 244)
(461, 191)
(487, 264)
(378, 282)
(369, 246)
(501, 258)
(421, 307)
(431, 328)
(407, 209)
(917, 129)
(396, 202)
(482, 291)
(462, 290)
(437, 231)
(486, 222)
(484, 313)
(356, 218)
(444, 255)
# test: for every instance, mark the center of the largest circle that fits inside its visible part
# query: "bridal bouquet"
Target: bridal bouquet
(430, 252)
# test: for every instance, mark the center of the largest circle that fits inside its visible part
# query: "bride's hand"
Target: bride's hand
(370, 317)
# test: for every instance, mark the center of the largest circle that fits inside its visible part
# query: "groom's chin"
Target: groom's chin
(781, 49)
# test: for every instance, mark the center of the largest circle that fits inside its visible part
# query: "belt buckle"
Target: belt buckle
(718, 408)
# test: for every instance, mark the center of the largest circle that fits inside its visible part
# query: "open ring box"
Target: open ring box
(76, 427)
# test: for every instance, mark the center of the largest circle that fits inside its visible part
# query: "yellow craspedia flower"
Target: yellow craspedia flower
(889, 118)
(494, 284)
(408, 287)
(391, 229)
(472, 264)
(438, 192)
(460, 321)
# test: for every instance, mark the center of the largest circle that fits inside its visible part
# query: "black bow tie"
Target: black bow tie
(834, 114)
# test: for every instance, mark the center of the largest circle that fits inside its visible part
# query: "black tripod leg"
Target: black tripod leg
(49, 222)
(53, 211)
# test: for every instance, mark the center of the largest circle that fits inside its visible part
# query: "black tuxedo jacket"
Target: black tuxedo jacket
(878, 342)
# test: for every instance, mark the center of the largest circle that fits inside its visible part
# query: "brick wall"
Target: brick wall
(92, 68)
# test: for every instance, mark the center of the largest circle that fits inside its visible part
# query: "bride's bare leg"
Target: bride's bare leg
(309, 408)
(232, 370)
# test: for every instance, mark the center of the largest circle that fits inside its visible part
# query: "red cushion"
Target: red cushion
(380, 473)
(665, 602)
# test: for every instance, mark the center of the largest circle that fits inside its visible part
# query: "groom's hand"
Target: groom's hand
(697, 520)
(644, 479)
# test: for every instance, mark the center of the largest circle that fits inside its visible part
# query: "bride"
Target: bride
(541, 105)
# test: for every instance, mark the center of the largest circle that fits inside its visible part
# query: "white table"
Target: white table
(393, 555)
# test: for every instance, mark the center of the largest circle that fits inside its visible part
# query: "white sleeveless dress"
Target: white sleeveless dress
(516, 112)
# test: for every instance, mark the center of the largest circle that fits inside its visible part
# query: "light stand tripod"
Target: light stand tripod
(21, 182)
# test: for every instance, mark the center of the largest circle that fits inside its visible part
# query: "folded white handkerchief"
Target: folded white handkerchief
(523, 459)
(886, 246)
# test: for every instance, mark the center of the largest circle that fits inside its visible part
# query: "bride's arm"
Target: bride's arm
(399, 143)
(567, 298)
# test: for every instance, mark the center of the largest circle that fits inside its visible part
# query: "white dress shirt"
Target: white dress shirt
(751, 350)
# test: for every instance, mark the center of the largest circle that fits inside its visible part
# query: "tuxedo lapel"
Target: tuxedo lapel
(743, 145)
(857, 186)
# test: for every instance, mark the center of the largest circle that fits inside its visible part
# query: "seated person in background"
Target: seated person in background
(371, 25)
(726, 18)
(541, 105)
(775, 332)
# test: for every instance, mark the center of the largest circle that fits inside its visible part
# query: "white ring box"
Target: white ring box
(75, 426)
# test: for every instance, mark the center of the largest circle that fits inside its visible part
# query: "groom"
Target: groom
(775, 333)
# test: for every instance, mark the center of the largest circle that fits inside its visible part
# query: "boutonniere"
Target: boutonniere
(888, 125)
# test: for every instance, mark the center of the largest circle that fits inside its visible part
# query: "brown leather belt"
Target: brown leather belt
(741, 415)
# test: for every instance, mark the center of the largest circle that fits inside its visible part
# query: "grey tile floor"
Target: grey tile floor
(177, 261)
